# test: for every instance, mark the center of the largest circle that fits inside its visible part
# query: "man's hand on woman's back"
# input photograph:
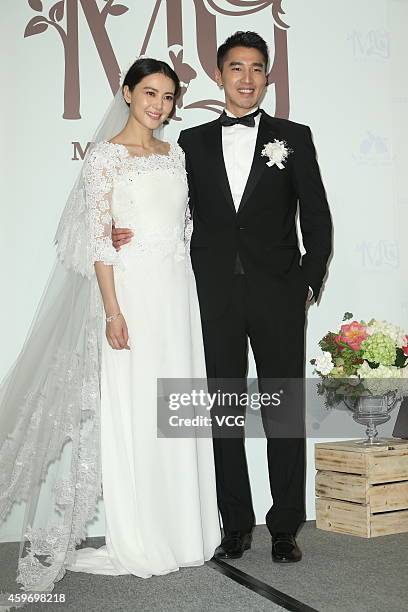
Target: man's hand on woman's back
(121, 236)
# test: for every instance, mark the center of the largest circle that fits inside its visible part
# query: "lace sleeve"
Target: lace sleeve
(98, 180)
(188, 219)
(188, 225)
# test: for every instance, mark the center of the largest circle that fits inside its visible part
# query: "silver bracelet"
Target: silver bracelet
(113, 317)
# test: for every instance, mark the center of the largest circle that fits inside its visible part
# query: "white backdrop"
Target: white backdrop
(347, 80)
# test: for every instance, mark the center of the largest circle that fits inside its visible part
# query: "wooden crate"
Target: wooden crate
(362, 490)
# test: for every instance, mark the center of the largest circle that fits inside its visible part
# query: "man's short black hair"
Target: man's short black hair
(242, 39)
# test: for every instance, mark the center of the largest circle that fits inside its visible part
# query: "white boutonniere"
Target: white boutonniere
(277, 151)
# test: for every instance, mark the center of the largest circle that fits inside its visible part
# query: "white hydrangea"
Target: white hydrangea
(394, 331)
(324, 364)
(383, 371)
(384, 378)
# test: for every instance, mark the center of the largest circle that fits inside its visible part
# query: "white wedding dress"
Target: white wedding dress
(159, 493)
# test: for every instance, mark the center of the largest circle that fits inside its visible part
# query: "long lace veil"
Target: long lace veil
(50, 403)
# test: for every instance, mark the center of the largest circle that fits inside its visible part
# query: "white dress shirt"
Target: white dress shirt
(238, 146)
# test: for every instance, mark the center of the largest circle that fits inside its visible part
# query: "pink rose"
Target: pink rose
(405, 348)
(352, 334)
(338, 339)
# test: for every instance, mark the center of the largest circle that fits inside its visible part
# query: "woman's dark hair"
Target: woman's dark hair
(145, 66)
(242, 39)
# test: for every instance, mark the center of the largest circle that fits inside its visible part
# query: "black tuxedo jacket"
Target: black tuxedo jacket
(261, 236)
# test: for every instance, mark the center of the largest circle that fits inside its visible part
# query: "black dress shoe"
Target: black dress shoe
(233, 545)
(284, 548)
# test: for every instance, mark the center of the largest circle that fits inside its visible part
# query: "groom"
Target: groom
(245, 256)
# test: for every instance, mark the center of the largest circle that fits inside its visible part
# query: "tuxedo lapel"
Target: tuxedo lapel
(266, 133)
(215, 154)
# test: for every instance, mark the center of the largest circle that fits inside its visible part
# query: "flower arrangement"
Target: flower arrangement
(362, 359)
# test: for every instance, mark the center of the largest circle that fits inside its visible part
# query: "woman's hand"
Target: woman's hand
(117, 333)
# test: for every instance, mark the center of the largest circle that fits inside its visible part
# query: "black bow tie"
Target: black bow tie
(248, 120)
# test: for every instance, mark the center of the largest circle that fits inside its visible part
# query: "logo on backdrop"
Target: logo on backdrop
(63, 18)
(374, 150)
(371, 45)
(378, 256)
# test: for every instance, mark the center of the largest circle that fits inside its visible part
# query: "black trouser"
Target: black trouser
(276, 332)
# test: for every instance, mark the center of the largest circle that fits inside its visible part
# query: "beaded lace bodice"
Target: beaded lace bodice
(147, 194)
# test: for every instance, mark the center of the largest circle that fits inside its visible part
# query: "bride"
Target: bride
(79, 406)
